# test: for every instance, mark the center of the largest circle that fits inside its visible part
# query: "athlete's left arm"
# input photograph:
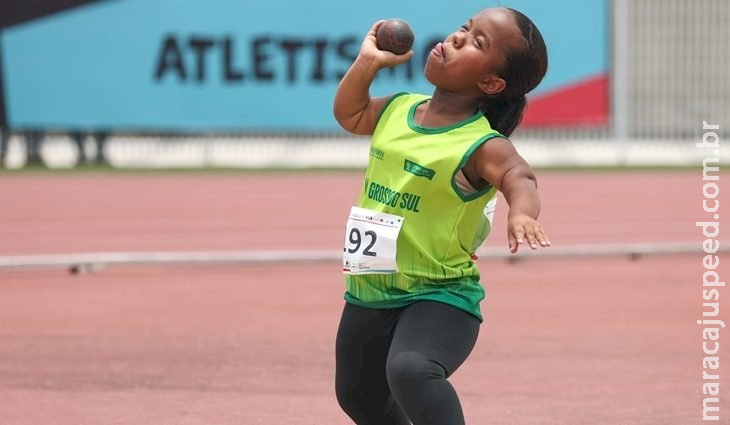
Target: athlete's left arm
(497, 162)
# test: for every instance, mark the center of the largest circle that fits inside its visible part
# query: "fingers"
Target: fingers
(535, 236)
(531, 239)
(532, 235)
(542, 237)
(374, 28)
(370, 37)
(513, 244)
(389, 59)
(405, 57)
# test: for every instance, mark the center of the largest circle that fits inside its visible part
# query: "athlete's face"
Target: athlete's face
(470, 60)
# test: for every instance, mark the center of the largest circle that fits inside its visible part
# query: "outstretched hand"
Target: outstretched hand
(382, 58)
(524, 229)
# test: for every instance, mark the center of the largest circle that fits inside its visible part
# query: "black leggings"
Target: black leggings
(392, 364)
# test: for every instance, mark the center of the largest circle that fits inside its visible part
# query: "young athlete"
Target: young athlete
(412, 313)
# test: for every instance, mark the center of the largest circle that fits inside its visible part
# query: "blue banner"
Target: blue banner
(231, 65)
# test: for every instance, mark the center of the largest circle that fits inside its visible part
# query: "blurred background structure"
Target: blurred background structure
(210, 84)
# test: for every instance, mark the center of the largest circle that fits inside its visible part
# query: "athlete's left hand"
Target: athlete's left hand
(522, 229)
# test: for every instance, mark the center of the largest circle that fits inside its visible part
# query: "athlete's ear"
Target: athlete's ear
(492, 85)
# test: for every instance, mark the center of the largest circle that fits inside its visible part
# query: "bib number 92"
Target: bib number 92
(370, 242)
(355, 239)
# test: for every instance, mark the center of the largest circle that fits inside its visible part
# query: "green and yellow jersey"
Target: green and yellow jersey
(412, 173)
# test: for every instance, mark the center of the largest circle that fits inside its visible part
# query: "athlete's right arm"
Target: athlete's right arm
(354, 109)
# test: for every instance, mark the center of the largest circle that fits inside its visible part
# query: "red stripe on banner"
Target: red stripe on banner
(580, 104)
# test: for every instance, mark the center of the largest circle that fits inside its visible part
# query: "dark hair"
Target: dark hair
(523, 71)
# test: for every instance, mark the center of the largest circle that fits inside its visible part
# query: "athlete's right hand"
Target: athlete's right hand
(370, 53)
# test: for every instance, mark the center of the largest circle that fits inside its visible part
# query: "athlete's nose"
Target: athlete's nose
(459, 38)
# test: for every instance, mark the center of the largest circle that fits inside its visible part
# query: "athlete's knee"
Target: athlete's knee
(410, 366)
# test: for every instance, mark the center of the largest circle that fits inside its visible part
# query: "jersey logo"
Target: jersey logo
(418, 170)
(377, 153)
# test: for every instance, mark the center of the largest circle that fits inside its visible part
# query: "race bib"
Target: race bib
(370, 242)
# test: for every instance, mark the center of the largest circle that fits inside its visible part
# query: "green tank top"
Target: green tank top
(411, 173)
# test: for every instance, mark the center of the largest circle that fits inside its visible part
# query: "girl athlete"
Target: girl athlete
(412, 313)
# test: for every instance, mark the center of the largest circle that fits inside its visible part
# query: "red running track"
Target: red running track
(48, 214)
(599, 341)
